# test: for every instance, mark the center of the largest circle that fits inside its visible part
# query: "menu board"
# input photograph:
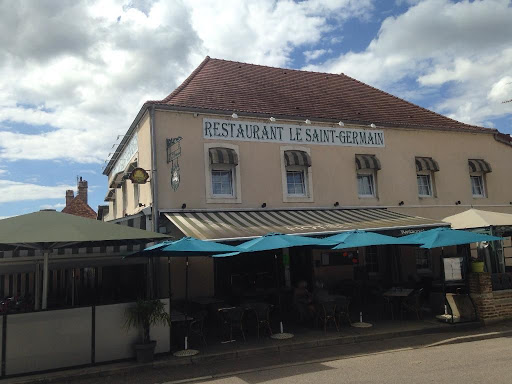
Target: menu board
(452, 268)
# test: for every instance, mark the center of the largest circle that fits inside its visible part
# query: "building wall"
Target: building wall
(334, 173)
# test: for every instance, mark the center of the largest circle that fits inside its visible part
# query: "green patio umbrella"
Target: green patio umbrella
(354, 239)
(185, 247)
(48, 230)
(445, 237)
(270, 242)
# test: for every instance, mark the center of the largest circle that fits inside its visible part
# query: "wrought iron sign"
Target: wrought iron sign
(139, 176)
(173, 153)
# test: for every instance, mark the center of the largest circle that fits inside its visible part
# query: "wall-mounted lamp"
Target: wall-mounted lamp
(234, 115)
(264, 205)
(183, 206)
(142, 205)
(272, 119)
(341, 124)
(336, 204)
(308, 121)
(510, 203)
(196, 114)
(457, 202)
(373, 125)
(401, 203)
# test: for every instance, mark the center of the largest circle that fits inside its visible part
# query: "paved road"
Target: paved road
(420, 359)
(486, 361)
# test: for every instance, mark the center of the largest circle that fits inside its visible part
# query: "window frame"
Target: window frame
(481, 176)
(303, 171)
(236, 197)
(430, 178)
(423, 253)
(373, 174)
(308, 177)
(228, 168)
(375, 262)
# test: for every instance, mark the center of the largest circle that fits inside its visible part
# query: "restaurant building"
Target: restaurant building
(241, 150)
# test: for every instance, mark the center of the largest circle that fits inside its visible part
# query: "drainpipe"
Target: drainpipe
(154, 181)
(152, 288)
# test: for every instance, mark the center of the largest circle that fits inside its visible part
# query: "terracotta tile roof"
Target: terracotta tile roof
(231, 86)
(78, 207)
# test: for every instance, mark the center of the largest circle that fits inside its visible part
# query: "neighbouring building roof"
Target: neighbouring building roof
(239, 87)
(78, 207)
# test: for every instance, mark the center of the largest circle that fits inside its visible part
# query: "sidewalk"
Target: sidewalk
(310, 346)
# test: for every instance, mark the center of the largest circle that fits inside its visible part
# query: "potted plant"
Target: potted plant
(143, 315)
(477, 264)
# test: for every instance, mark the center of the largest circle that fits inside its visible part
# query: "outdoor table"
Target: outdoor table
(206, 301)
(397, 295)
(179, 317)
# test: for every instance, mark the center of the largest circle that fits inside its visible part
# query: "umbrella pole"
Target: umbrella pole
(281, 334)
(37, 287)
(45, 279)
(170, 295)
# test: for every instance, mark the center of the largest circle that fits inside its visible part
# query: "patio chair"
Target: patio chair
(412, 303)
(261, 312)
(196, 327)
(327, 314)
(233, 318)
(342, 310)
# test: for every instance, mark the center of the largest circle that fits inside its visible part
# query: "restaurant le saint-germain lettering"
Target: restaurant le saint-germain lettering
(293, 134)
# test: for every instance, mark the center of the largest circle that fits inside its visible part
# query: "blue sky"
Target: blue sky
(69, 92)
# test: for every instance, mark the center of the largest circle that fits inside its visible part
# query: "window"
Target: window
(222, 173)
(371, 260)
(222, 182)
(295, 182)
(423, 260)
(477, 186)
(365, 185)
(424, 185)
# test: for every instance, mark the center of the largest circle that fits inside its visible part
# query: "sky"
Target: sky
(74, 73)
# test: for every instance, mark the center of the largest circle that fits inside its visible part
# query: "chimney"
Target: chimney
(82, 190)
(70, 195)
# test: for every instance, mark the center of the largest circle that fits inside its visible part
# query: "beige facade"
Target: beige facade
(259, 176)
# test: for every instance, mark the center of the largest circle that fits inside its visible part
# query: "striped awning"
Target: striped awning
(426, 164)
(367, 162)
(479, 165)
(223, 156)
(299, 158)
(245, 224)
(110, 195)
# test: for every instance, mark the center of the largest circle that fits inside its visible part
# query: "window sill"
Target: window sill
(223, 200)
(479, 197)
(297, 199)
(367, 197)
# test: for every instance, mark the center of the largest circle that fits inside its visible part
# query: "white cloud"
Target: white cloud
(315, 54)
(84, 68)
(462, 45)
(57, 206)
(11, 191)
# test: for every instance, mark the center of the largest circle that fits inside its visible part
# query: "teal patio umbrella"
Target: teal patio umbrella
(185, 247)
(354, 239)
(445, 237)
(270, 242)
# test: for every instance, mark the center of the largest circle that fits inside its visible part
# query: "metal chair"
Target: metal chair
(233, 318)
(342, 310)
(327, 314)
(412, 303)
(196, 327)
(262, 314)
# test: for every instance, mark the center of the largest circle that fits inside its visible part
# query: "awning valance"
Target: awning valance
(223, 156)
(479, 165)
(117, 180)
(426, 164)
(110, 195)
(367, 162)
(243, 224)
(300, 158)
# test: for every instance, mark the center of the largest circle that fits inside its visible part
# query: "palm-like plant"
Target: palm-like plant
(144, 314)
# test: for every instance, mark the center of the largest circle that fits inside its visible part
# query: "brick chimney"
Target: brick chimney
(70, 195)
(82, 190)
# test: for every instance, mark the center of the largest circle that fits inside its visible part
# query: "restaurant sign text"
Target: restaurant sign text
(293, 134)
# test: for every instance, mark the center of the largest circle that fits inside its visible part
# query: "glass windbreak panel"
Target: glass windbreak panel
(295, 183)
(222, 182)
(365, 185)
(371, 259)
(477, 185)
(424, 185)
